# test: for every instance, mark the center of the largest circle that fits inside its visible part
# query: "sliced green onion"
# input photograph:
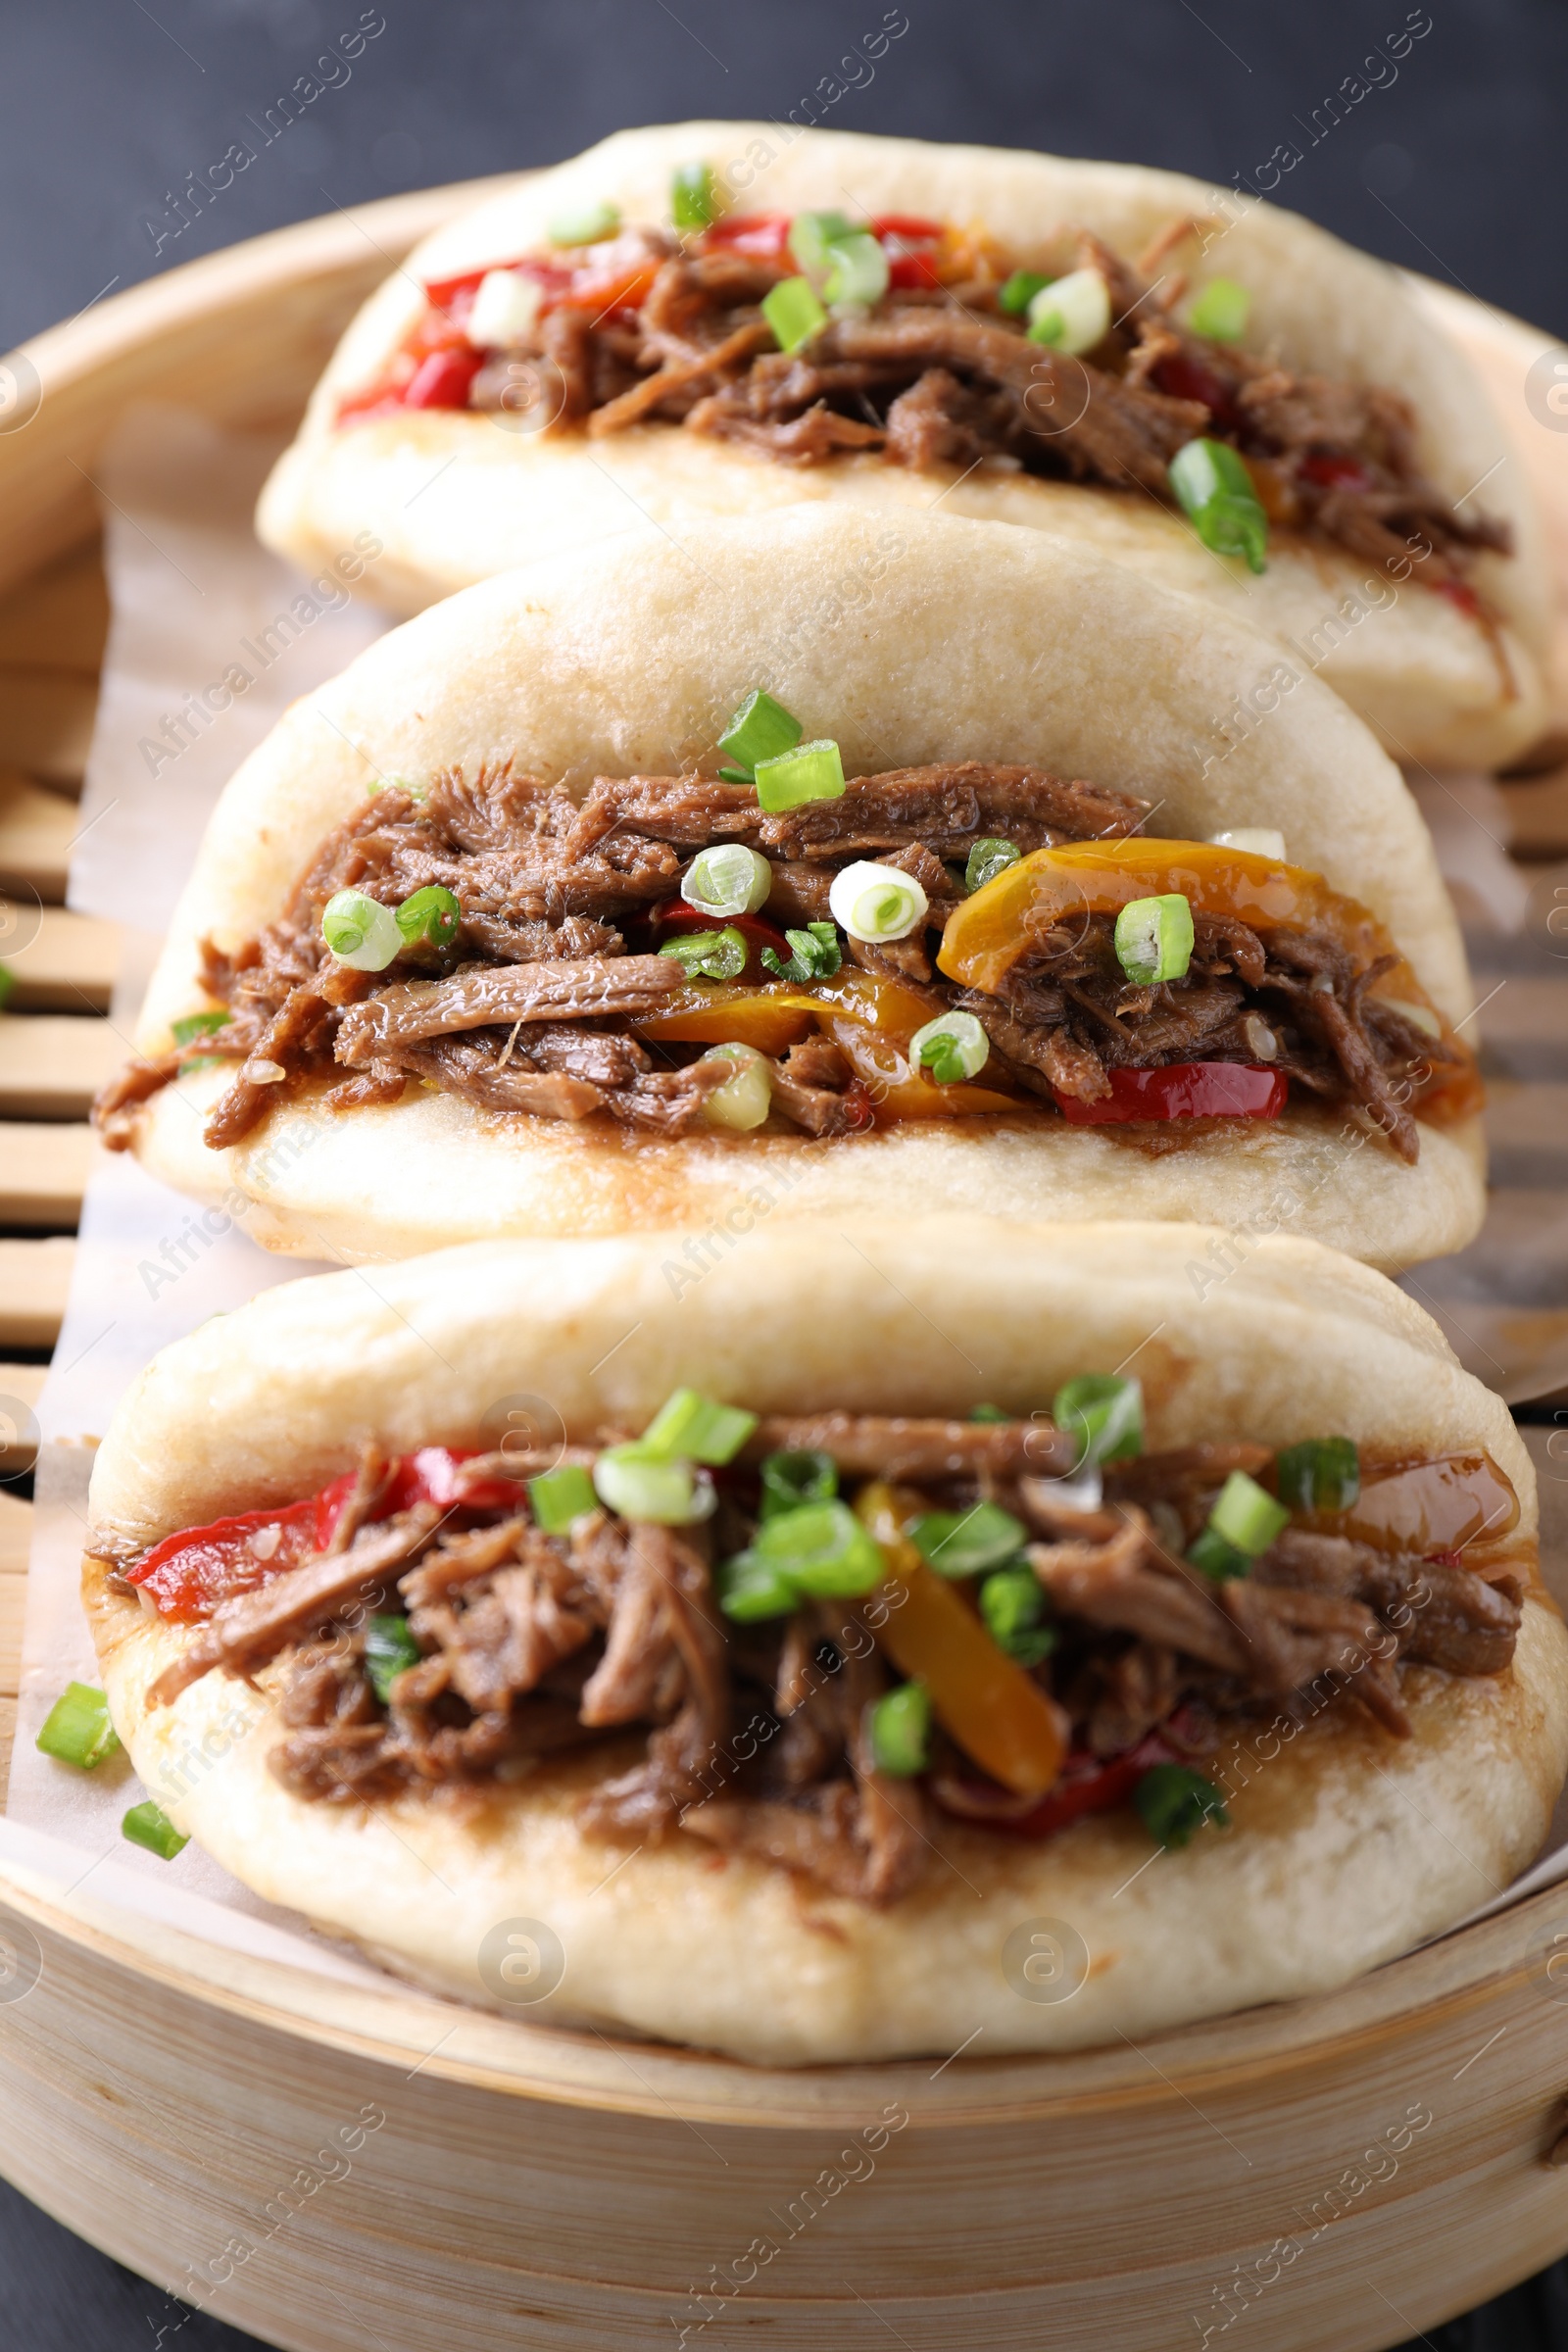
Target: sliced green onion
(960, 1544)
(390, 1649)
(76, 1729)
(1013, 1607)
(744, 1100)
(791, 1479)
(1020, 290)
(813, 771)
(584, 223)
(986, 860)
(794, 312)
(690, 1427)
(144, 1825)
(8, 985)
(708, 954)
(559, 1497)
(760, 730)
(729, 880)
(1105, 1414)
(1216, 490)
(818, 955)
(873, 903)
(859, 273)
(506, 312)
(823, 1549)
(1220, 311)
(693, 198)
(1259, 840)
(431, 917)
(1212, 1555)
(1154, 938)
(952, 1047)
(812, 237)
(991, 1414)
(361, 931)
(1071, 313)
(186, 1032)
(1321, 1474)
(1246, 1516)
(1174, 1802)
(749, 1590)
(898, 1728)
(668, 1493)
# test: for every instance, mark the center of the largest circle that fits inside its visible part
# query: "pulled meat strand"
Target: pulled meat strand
(896, 1448)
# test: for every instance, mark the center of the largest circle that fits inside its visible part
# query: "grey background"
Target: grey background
(1454, 167)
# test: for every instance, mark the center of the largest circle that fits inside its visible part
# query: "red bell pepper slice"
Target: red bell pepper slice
(1183, 1090)
(443, 377)
(1184, 376)
(762, 236)
(1086, 1783)
(1333, 472)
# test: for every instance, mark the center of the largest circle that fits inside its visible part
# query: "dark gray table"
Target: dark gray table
(1447, 159)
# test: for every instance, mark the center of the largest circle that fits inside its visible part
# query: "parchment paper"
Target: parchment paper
(191, 589)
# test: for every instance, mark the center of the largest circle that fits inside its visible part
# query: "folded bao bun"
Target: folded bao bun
(1347, 1846)
(909, 639)
(450, 496)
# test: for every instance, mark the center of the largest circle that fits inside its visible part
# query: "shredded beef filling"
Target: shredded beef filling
(944, 377)
(753, 1736)
(534, 1005)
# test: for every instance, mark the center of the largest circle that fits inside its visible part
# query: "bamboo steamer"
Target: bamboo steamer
(334, 2168)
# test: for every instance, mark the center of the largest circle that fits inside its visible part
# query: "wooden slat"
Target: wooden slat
(53, 1063)
(21, 1387)
(34, 1283)
(46, 721)
(36, 830)
(1537, 816)
(60, 962)
(59, 619)
(43, 1172)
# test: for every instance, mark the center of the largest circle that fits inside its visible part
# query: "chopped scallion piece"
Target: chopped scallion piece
(823, 1549)
(708, 954)
(794, 312)
(749, 1590)
(990, 1412)
(813, 771)
(667, 1494)
(693, 198)
(1071, 313)
(431, 917)
(1246, 1516)
(760, 730)
(361, 931)
(1220, 311)
(986, 860)
(1020, 290)
(811, 238)
(816, 953)
(1257, 841)
(952, 1047)
(197, 1024)
(1013, 1607)
(791, 1479)
(1212, 1555)
(144, 1825)
(1173, 1803)
(690, 1427)
(76, 1729)
(1105, 1414)
(1154, 938)
(8, 985)
(1216, 490)
(860, 270)
(506, 312)
(959, 1543)
(744, 1100)
(584, 223)
(730, 879)
(875, 903)
(390, 1649)
(559, 1497)
(1321, 1474)
(898, 1728)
